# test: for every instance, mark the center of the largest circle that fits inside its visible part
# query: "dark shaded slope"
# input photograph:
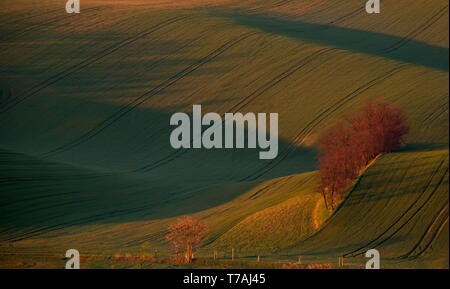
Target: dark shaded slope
(382, 45)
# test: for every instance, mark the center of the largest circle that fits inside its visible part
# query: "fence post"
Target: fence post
(258, 259)
(232, 254)
(341, 261)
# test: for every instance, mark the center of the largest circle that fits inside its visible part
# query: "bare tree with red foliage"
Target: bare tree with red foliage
(380, 128)
(347, 148)
(336, 162)
(187, 234)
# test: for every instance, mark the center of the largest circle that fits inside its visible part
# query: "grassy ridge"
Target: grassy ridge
(399, 206)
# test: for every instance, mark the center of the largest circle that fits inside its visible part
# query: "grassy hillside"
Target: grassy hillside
(86, 208)
(398, 206)
(275, 227)
(85, 103)
(158, 62)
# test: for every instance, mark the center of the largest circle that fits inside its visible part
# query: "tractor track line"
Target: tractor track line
(80, 221)
(371, 243)
(33, 16)
(267, 187)
(41, 25)
(86, 62)
(279, 78)
(438, 111)
(343, 18)
(259, 91)
(320, 118)
(435, 235)
(427, 232)
(366, 86)
(174, 155)
(409, 37)
(147, 95)
(404, 212)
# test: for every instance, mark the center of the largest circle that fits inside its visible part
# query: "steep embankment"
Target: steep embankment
(399, 206)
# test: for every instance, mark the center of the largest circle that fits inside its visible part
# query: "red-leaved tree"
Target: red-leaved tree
(186, 235)
(347, 148)
(379, 128)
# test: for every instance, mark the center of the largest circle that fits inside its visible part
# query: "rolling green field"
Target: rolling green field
(85, 103)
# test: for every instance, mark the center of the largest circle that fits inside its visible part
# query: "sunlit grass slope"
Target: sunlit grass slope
(276, 227)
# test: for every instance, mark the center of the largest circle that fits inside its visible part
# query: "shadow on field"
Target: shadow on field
(420, 147)
(126, 172)
(377, 44)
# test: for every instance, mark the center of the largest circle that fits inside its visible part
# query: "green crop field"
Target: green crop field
(86, 99)
(399, 206)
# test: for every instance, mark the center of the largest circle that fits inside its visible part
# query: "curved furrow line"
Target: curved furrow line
(80, 221)
(306, 130)
(51, 178)
(411, 207)
(435, 235)
(167, 159)
(180, 152)
(373, 243)
(86, 62)
(76, 66)
(438, 111)
(266, 188)
(147, 95)
(327, 8)
(445, 110)
(336, 21)
(345, 17)
(341, 102)
(35, 15)
(244, 102)
(427, 232)
(350, 200)
(270, 6)
(41, 25)
(409, 37)
(280, 3)
(275, 81)
(319, 119)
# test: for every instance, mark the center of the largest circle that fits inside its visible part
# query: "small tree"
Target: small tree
(186, 235)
